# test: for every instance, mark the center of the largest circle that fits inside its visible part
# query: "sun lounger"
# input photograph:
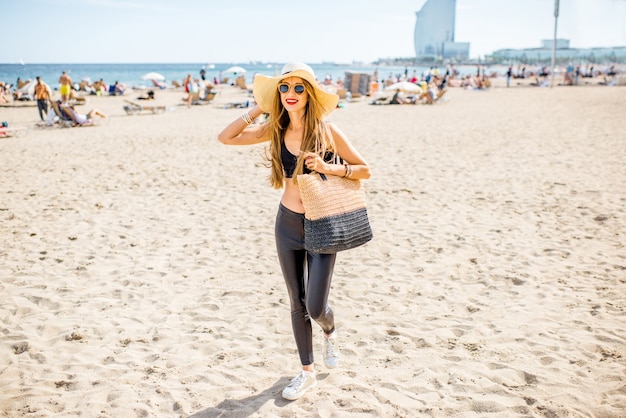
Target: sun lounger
(209, 96)
(65, 116)
(241, 83)
(196, 99)
(236, 105)
(133, 108)
(192, 98)
(6, 132)
(381, 101)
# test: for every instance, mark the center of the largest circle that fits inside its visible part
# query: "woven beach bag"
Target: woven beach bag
(335, 217)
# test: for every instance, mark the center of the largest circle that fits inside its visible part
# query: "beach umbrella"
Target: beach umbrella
(152, 76)
(236, 69)
(405, 86)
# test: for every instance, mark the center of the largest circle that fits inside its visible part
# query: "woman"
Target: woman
(295, 130)
(190, 88)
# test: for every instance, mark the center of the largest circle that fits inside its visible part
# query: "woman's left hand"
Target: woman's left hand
(314, 162)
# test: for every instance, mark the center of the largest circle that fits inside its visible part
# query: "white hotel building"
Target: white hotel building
(434, 32)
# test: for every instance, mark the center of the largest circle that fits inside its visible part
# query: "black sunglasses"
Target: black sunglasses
(284, 88)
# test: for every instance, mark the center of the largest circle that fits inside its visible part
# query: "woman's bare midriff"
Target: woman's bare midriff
(291, 197)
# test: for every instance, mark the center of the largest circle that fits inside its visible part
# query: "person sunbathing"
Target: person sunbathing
(117, 89)
(147, 96)
(160, 84)
(4, 93)
(100, 88)
(398, 98)
(79, 118)
(431, 95)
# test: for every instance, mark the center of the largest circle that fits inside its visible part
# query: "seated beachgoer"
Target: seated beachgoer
(55, 106)
(207, 93)
(397, 98)
(99, 87)
(79, 118)
(160, 84)
(4, 93)
(117, 89)
(86, 86)
(540, 83)
(431, 95)
(608, 81)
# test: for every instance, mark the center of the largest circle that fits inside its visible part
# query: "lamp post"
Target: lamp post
(556, 17)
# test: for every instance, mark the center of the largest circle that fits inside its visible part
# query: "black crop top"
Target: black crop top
(289, 160)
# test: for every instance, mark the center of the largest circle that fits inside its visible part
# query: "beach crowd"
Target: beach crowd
(57, 104)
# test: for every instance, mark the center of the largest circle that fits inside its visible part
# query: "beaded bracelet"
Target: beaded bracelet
(247, 118)
(348, 170)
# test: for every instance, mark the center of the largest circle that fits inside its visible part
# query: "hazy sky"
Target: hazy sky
(239, 31)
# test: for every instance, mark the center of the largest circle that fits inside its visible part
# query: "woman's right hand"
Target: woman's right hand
(237, 134)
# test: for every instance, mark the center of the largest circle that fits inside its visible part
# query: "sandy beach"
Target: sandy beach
(138, 274)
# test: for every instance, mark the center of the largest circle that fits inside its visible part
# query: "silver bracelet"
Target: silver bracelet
(247, 118)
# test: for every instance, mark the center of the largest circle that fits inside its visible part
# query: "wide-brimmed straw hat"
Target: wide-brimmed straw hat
(265, 88)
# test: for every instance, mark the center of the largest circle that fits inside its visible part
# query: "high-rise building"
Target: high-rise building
(434, 32)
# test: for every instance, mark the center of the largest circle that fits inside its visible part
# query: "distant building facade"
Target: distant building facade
(563, 54)
(434, 32)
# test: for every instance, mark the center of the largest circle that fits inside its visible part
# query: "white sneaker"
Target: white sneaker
(331, 351)
(299, 385)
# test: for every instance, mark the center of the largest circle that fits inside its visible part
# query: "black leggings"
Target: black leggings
(42, 106)
(308, 278)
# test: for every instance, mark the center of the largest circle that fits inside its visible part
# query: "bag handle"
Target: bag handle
(318, 148)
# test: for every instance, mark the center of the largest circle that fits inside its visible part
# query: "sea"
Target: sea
(130, 74)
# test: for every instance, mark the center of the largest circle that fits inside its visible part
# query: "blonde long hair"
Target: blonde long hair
(316, 138)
